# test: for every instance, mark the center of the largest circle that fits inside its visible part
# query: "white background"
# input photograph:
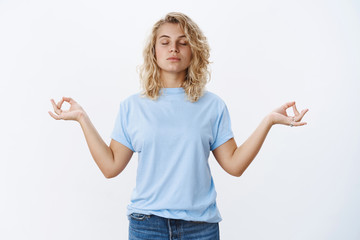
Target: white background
(304, 183)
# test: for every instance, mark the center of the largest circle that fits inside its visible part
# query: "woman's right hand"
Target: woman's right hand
(74, 113)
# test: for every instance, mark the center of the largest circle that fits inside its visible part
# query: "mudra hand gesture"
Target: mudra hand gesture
(279, 115)
(74, 113)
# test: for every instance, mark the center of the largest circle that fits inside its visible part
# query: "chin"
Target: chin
(173, 70)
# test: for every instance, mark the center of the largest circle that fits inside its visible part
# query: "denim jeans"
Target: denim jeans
(152, 227)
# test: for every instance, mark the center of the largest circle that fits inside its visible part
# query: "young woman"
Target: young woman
(173, 125)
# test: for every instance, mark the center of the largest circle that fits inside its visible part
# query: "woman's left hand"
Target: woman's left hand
(279, 115)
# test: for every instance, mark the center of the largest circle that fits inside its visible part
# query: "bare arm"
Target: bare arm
(234, 160)
(110, 159)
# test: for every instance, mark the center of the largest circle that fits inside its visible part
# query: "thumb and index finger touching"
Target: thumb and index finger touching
(298, 116)
(66, 99)
(57, 107)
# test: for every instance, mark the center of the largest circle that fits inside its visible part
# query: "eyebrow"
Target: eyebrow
(182, 36)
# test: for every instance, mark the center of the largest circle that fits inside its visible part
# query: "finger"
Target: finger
(53, 103)
(56, 109)
(298, 118)
(296, 112)
(56, 117)
(290, 121)
(60, 103)
(298, 124)
(69, 100)
(288, 104)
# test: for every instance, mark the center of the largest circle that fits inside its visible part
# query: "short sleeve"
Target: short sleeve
(120, 132)
(222, 131)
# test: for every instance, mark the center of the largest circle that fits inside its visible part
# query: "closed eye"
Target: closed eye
(166, 43)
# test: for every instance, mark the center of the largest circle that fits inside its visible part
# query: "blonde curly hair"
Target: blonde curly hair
(197, 75)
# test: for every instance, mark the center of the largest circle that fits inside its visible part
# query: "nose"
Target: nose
(173, 48)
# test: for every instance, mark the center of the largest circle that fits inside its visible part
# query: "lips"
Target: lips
(174, 59)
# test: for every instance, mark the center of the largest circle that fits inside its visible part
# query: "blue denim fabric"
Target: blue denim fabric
(152, 227)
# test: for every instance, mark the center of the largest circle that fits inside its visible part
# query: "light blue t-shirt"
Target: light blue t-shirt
(173, 138)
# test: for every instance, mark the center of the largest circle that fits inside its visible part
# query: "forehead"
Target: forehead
(173, 30)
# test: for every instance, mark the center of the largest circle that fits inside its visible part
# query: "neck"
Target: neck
(172, 80)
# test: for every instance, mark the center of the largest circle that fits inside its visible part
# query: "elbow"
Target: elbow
(237, 174)
(109, 174)
(234, 173)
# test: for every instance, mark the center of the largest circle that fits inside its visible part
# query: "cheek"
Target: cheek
(157, 49)
(158, 52)
(189, 55)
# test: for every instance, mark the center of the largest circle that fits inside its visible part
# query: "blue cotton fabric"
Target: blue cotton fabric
(173, 138)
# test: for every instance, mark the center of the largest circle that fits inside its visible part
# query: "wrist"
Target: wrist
(82, 117)
(270, 120)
